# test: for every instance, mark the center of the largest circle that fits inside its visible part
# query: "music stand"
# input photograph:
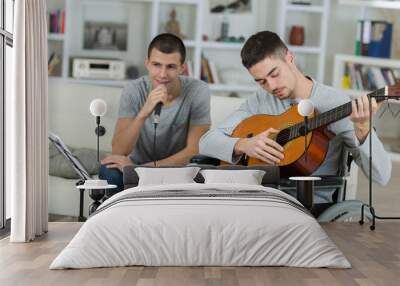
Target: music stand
(76, 165)
(369, 205)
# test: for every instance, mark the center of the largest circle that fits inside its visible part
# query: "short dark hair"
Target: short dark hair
(261, 45)
(168, 43)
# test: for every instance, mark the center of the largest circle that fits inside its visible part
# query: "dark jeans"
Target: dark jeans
(113, 177)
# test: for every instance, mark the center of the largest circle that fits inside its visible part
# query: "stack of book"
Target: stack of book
(208, 71)
(54, 65)
(373, 38)
(363, 77)
(56, 21)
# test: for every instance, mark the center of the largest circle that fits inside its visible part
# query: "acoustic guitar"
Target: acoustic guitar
(301, 158)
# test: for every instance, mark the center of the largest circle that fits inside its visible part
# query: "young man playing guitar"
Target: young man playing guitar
(272, 65)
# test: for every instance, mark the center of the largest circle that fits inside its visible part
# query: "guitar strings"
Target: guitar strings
(324, 118)
(320, 120)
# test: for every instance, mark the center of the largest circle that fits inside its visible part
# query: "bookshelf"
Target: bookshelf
(340, 65)
(371, 4)
(311, 56)
(56, 19)
(151, 16)
(377, 63)
(387, 126)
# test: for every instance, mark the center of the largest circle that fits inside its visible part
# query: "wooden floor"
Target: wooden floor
(386, 199)
(374, 255)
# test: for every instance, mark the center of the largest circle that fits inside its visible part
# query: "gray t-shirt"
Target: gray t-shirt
(191, 107)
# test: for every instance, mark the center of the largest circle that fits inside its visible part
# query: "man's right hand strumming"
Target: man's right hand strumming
(261, 147)
(159, 94)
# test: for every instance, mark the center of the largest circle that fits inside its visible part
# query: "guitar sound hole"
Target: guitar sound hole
(283, 137)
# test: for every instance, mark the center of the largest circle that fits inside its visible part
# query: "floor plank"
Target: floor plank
(375, 257)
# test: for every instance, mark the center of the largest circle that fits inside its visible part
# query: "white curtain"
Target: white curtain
(26, 123)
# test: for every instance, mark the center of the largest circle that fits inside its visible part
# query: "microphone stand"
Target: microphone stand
(100, 131)
(369, 205)
(305, 136)
(98, 137)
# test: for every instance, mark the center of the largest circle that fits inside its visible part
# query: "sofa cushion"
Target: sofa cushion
(59, 166)
(270, 179)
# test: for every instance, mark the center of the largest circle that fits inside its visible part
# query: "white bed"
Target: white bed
(201, 224)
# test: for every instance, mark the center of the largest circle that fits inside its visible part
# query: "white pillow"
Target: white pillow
(248, 177)
(163, 176)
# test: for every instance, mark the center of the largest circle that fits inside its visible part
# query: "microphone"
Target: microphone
(157, 111)
(98, 108)
(305, 108)
(156, 121)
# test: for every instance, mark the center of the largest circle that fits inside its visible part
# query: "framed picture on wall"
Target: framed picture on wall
(100, 35)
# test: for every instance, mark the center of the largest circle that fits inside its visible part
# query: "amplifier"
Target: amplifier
(98, 68)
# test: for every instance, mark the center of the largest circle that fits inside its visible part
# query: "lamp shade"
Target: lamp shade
(98, 107)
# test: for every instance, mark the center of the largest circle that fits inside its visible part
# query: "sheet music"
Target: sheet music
(76, 164)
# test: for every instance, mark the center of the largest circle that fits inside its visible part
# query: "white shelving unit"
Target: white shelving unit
(342, 59)
(222, 45)
(57, 43)
(55, 37)
(199, 46)
(71, 42)
(232, 88)
(372, 4)
(315, 39)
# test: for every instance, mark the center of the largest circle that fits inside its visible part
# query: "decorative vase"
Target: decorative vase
(296, 37)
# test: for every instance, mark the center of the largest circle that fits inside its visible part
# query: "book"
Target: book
(381, 39)
(365, 37)
(205, 70)
(357, 50)
(56, 21)
(54, 65)
(346, 79)
(378, 77)
(214, 73)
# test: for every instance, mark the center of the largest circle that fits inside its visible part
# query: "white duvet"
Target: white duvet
(207, 230)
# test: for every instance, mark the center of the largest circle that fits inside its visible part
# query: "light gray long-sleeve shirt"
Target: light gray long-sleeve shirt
(217, 142)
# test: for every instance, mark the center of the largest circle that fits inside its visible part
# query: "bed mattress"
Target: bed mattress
(201, 225)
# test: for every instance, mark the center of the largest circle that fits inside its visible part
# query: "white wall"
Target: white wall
(70, 118)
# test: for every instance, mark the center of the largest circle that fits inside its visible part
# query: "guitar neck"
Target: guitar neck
(329, 116)
(342, 111)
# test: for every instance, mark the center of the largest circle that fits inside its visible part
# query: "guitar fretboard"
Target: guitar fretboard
(323, 119)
